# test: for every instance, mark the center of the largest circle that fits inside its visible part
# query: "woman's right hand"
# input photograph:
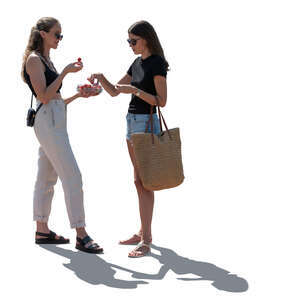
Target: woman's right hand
(73, 67)
(97, 76)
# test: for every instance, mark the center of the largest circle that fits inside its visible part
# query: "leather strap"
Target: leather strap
(160, 123)
(38, 106)
(50, 235)
(151, 121)
(84, 241)
(161, 117)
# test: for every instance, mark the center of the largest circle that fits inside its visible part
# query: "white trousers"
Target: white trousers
(56, 159)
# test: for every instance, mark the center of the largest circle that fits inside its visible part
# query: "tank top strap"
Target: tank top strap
(46, 63)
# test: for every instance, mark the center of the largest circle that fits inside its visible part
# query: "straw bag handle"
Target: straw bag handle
(161, 117)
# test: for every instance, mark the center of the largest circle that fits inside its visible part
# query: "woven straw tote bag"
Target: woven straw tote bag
(158, 157)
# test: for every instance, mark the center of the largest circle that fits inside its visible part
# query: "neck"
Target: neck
(146, 54)
(46, 52)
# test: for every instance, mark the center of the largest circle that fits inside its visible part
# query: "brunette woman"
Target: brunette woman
(146, 82)
(56, 158)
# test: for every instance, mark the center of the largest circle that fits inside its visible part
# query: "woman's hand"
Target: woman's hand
(73, 67)
(125, 88)
(85, 94)
(97, 76)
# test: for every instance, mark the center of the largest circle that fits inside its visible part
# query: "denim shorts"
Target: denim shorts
(138, 122)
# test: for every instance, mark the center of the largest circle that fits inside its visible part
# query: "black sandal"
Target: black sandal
(50, 238)
(93, 248)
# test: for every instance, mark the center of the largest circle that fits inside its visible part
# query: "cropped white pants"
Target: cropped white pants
(56, 159)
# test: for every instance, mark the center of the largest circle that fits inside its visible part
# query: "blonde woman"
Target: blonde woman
(56, 158)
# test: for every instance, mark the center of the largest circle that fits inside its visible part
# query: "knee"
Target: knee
(74, 183)
(138, 182)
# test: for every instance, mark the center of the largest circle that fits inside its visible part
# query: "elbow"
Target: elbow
(162, 102)
(43, 98)
(114, 94)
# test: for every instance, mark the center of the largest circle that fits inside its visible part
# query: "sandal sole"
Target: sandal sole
(52, 242)
(83, 249)
(139, 256)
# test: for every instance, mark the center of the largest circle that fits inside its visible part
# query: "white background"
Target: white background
(233, 90)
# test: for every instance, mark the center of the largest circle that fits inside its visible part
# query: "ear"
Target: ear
(43, 34)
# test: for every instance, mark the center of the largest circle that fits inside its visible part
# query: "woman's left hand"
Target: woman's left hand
(85, 94)
(125, 88)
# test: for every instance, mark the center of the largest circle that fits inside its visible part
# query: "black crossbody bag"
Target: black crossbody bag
(32, 113)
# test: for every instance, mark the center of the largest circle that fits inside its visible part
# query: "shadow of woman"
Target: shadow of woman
(92, 268)
(221, 279)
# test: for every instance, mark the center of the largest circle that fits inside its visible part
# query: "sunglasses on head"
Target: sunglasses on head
(132, 41)
(58, 36)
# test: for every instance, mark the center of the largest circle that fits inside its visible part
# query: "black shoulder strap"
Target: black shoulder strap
(46, 64)
(43, 61)
(38, 106)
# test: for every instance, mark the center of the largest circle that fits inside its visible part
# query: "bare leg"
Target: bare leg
(146, 203)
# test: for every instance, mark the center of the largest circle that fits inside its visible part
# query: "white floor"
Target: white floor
(203, 248)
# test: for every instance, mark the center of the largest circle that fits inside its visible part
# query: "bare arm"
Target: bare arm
(70, 99)
(109, 87)
(80, 94)
(160, 83)
(35, 70)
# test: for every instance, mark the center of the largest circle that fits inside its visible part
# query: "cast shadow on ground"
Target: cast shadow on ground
(220, 278)
(95, 270)
(92, 268)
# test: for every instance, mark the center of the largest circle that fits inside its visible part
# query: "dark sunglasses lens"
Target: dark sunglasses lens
(131, 42)
(58, 36)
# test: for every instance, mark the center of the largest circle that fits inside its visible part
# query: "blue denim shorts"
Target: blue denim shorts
(138, 122)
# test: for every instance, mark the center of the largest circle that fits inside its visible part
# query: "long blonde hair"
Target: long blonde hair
(35, 42)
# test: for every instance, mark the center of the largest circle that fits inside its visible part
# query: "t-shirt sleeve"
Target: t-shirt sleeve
(129, 72)
(159, 67)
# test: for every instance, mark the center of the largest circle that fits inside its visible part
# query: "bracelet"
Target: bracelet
(138, 92)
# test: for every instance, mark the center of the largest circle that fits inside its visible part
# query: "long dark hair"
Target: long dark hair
(146, 31)
(35, 42)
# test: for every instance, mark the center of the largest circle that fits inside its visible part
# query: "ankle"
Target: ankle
(147, 239)
(81, 232)
(42, 227)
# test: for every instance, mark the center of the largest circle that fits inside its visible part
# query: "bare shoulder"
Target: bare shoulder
(33, 63)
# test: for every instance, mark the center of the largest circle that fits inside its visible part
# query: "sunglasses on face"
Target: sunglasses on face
(132, 41)
(58, 36)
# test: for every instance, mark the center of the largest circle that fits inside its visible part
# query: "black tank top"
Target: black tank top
(49, 75)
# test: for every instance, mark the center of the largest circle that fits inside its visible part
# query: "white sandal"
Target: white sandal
(142, 253)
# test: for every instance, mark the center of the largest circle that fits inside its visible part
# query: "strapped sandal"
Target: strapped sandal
(141, 253)
(134, 240)
(93, 248)
(50, 238)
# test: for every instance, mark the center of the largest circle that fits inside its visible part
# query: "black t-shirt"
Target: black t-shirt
(142, 72)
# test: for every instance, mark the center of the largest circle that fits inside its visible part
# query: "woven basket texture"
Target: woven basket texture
(160, 163)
